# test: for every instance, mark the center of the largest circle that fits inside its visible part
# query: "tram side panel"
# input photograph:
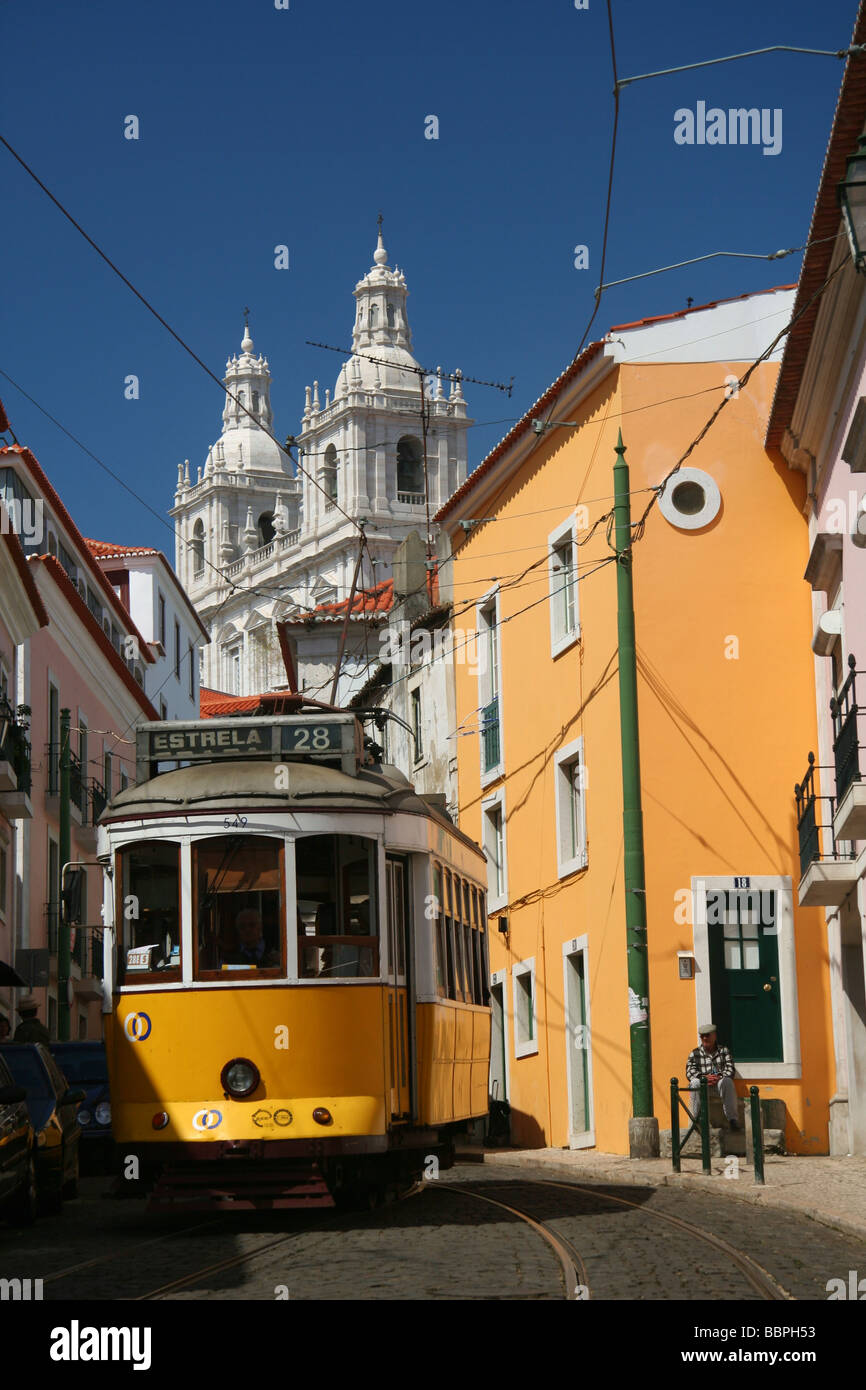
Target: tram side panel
(312, 1047)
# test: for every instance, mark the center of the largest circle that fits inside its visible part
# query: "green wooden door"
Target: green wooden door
(744, 973)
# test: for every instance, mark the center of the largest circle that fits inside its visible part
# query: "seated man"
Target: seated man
(715, 1063)
(251, 949)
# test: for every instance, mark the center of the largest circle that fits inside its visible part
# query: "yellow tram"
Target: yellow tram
(295, 966)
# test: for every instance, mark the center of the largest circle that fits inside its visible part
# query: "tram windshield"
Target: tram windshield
(337, 913)
(149, 911)
(238, 907)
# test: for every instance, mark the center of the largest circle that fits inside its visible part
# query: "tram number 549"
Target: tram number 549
(234, 822)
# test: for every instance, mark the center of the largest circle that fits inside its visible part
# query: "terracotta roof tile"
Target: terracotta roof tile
(107, 550)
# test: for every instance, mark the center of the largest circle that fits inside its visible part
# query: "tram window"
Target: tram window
(238, 905)
(481, 901)
(439, 933)
(468, 934)
(448, 927)
(148, 912)
(397, 916)
(452, 922)
(337, 907)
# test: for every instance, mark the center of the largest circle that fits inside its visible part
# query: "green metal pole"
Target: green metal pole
(757, 1133)
(705, 1127)
(64, 954)
(640, 1136)
(675, 1124)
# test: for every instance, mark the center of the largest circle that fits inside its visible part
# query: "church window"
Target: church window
(390, 315)
(255, 402)
(374, 315)
(410, 469)
(197, 547)
(266, 527)
(328, 477)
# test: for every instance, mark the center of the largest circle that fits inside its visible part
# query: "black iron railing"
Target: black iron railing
(490, 745)
(815, 834)
(15, 748)
(846, 747)
(98, 800)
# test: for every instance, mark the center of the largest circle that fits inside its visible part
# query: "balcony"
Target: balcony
(411, 499)
(828, 870)
(14, 766)
(849, 821)
(490, 741)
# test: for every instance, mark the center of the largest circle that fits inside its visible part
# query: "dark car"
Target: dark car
(52, 1105)
(17, 1153)
(83, 1064)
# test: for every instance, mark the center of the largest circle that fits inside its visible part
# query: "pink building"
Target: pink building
(87, 656)
(818, 424)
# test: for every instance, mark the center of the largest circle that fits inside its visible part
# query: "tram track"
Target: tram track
(572, 1262)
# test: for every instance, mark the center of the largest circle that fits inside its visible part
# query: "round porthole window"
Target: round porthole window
(690, 500)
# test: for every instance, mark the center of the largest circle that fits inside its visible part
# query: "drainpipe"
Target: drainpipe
(643, 1127)
(64, 954)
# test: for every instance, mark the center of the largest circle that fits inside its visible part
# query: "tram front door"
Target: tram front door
(400, 1038)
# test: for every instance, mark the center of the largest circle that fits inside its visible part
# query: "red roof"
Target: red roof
(107, 550)
(52, 497)
(53, 567)
(214, 703)
(847, 125)
(379, 599)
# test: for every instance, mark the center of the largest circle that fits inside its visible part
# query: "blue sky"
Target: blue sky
(261, 127)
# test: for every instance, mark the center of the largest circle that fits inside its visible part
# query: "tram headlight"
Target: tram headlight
(239, 1077)
(103, 1113)
(84, 1117)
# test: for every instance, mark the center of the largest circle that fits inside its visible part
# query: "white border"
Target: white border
(561, 641)
(709, 511)
(789, 1069)
(496, 798)
(570, 753)
(525, 967)
(584, 1139)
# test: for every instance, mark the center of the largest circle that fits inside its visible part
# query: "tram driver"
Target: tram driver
(252, 951)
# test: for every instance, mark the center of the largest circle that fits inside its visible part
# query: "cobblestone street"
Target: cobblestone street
(440, 1243)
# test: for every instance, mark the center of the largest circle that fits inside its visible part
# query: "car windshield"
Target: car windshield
(28, 1071)
(87, 1068)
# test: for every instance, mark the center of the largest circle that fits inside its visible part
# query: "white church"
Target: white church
(257, 542)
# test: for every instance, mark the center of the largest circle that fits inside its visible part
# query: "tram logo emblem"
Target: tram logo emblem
(206, 1119)
(263, 1119)
(137, 1027)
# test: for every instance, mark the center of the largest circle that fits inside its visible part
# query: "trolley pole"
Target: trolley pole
(643, 1127)
(64, 954)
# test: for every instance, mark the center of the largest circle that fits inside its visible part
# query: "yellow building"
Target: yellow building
(726, 708)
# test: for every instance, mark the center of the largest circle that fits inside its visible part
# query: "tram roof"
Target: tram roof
(247, 784)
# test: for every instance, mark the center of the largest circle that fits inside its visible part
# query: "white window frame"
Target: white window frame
(790, 1069)
(560, 639)
(489, 682)
(579, 945)
(495, 902)
(566, 862)
(530, 1047)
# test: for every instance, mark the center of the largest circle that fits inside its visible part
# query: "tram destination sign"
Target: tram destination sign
(327, 736)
